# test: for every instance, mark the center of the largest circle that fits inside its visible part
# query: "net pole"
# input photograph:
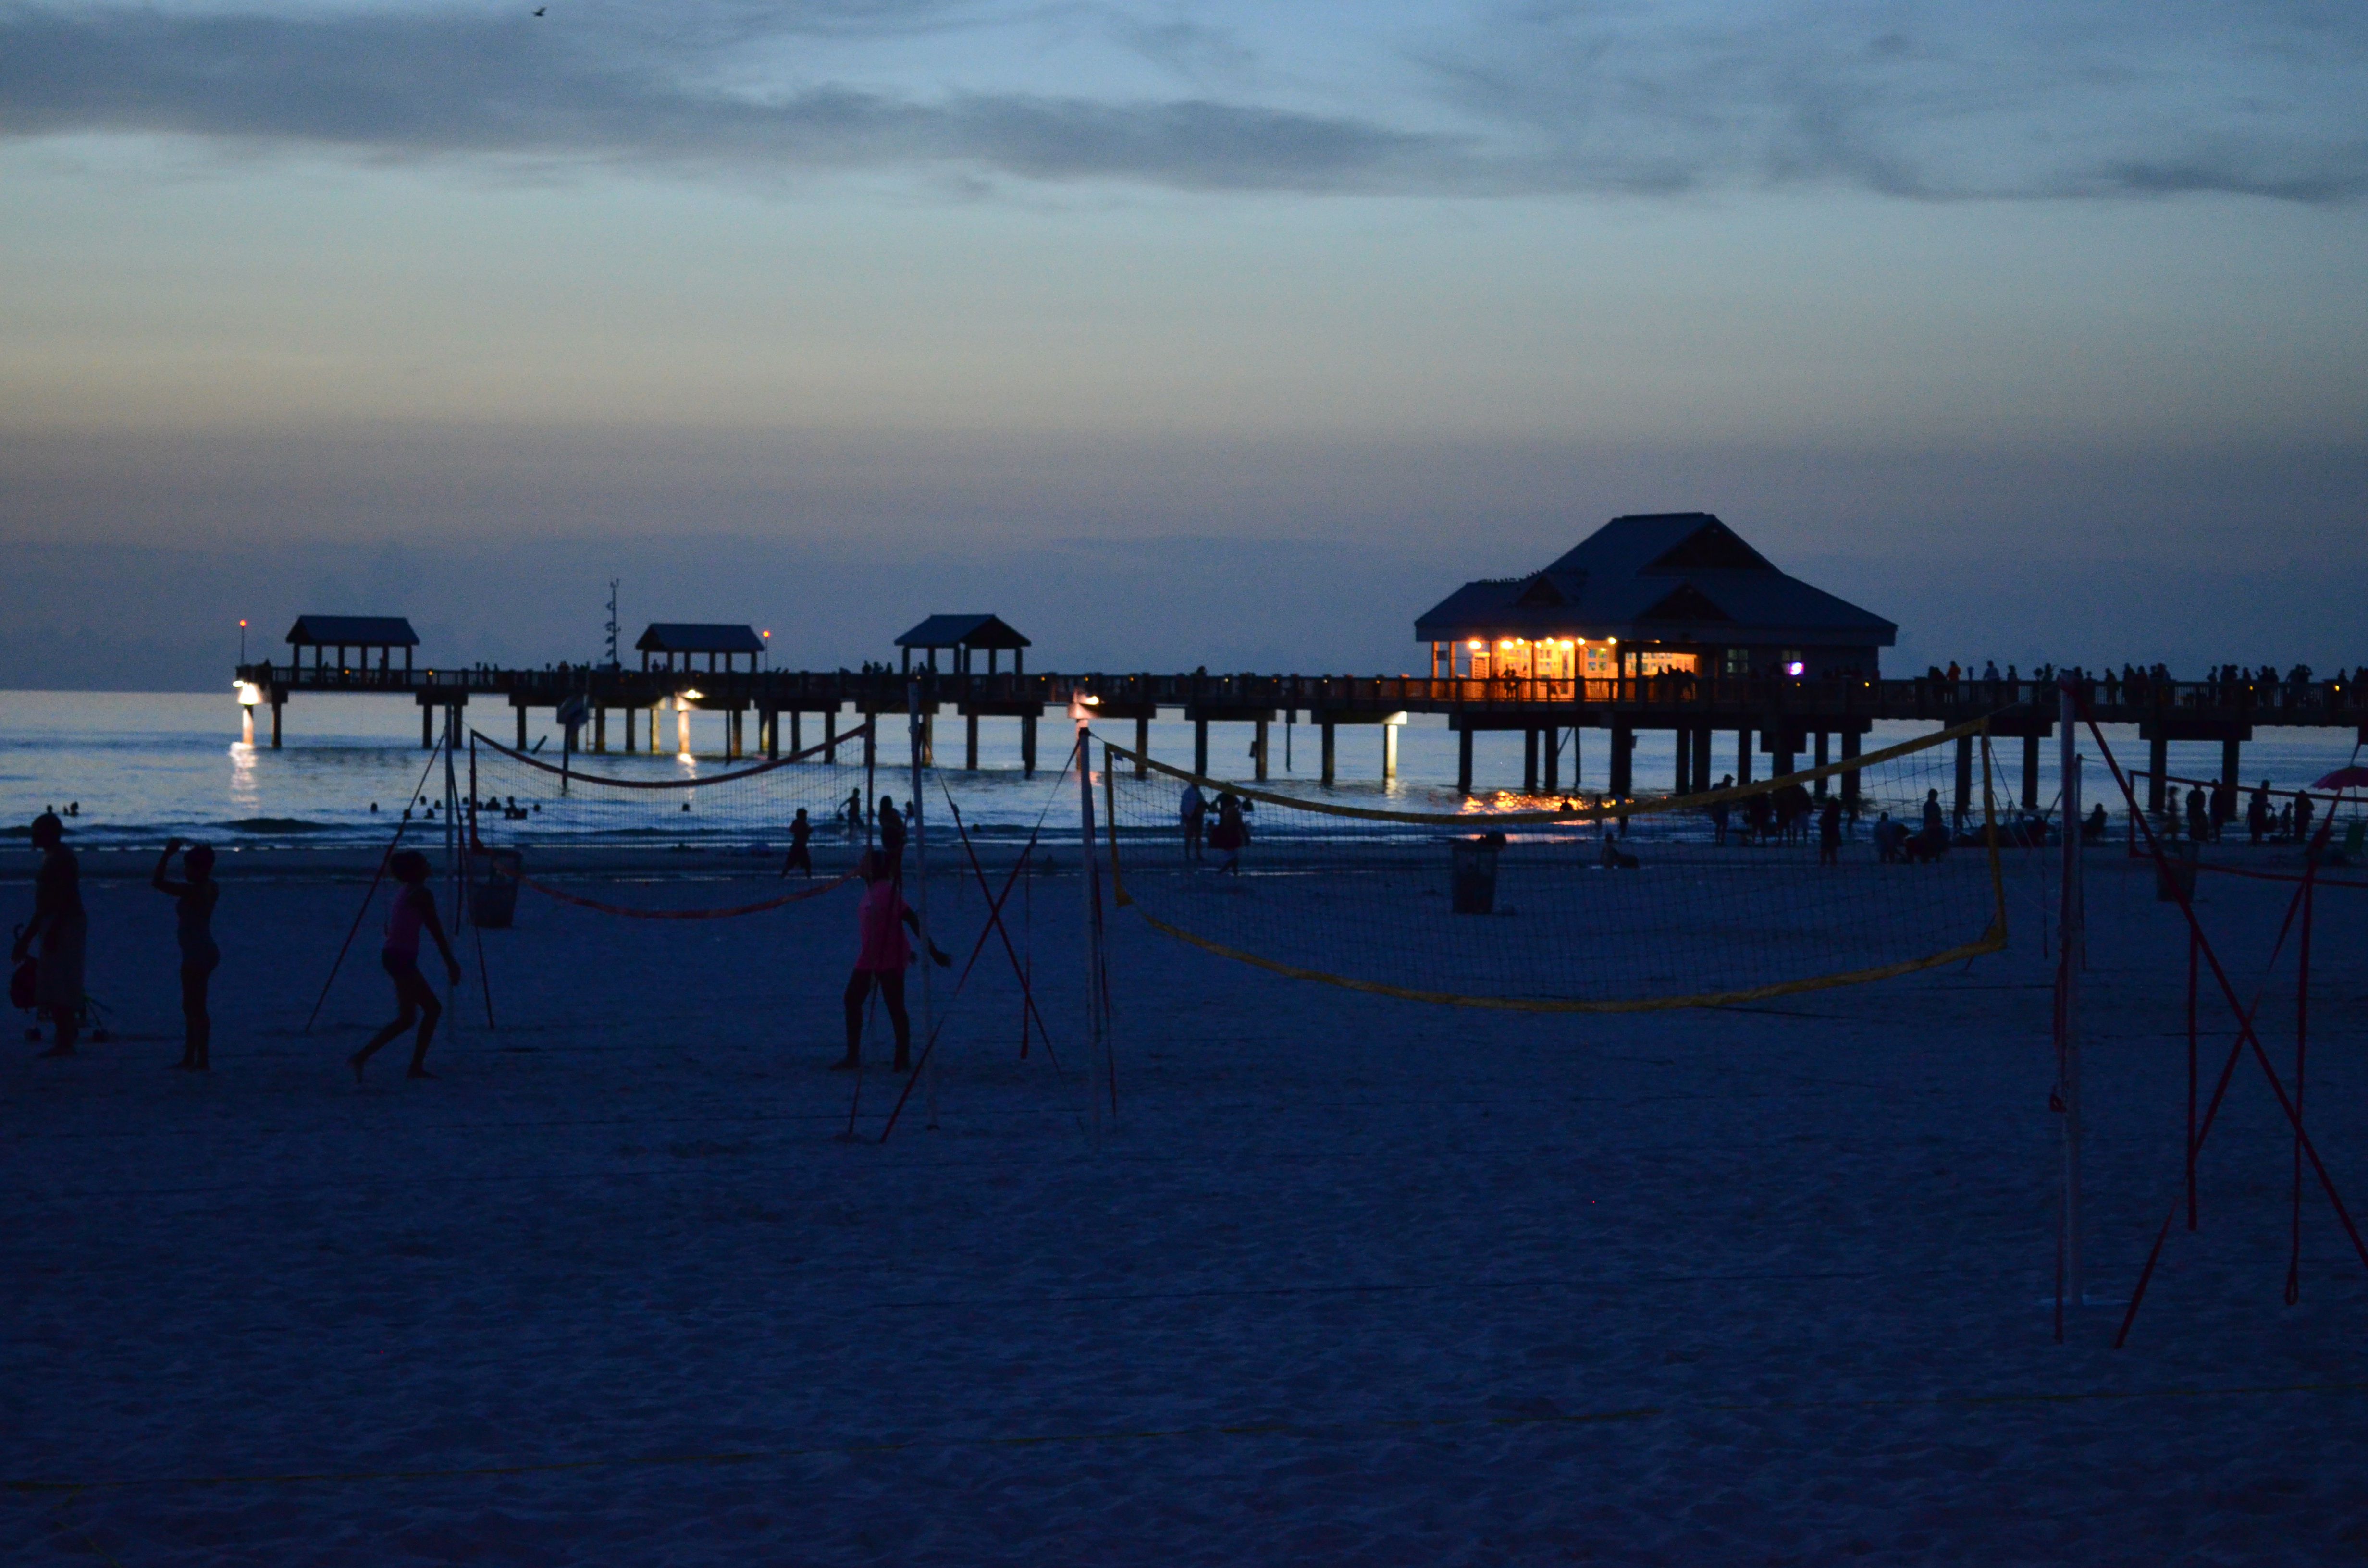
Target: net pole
(921, 866)
(2071, 925)
(1092, 927)
(455, 872)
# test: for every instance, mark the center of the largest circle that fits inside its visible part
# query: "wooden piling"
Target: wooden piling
(1142, 747)
(1028, 747)
(1464, 761)
(1330, 738)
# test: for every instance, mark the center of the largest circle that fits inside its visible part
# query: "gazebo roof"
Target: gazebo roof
(962, 631)
(1662, 576)
(699, 637)
(352, 631)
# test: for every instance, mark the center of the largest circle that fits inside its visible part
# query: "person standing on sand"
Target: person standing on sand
(63, 928)
(414, 909)
(800, 831)
(1190, 810)
(1829, 834)
(193, 914)
(880, 921)
(852, 813)
(1230, 834)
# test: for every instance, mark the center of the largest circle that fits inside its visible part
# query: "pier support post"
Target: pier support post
(1200, 747)
(681, 727)
(1028, 746)
(928, 740)
(797, 731)
(655, 709)
(2157, 764)
(870, 747)
(1529, 762)
(830, 735)
(1142, 747)
(1783, 759)
(1965, 781)
(1553, 759)
(520, 712)
(1389, 753)
(1464, 761)
(1684, 770)
(1258, 747)
(600, 728)
(427, 727)
(1624, 761)
(276, 706)
(2231, 765)
(1743, 757)
(970, 743)
(1850, 779)
(1330, 736)
(1824, 755)
(1701, 760)
(770, 719)
(2030, 773)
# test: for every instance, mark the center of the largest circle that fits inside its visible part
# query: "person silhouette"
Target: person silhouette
(414, 910)
(193, 912)
(852, 813)
(801, 829)
(881, 955)
(892, 836)
(62, 928)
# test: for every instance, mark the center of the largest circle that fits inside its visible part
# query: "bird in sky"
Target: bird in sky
(539, 10)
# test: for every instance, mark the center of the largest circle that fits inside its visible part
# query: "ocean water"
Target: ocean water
(145, 764)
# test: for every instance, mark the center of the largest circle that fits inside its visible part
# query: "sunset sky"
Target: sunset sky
(1208, 335)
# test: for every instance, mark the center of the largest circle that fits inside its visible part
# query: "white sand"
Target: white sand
(1354, 1280)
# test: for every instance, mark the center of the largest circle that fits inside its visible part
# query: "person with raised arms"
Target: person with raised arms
(880, 921)
(193, 912)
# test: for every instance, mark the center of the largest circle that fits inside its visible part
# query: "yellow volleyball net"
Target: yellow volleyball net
(1862, 869)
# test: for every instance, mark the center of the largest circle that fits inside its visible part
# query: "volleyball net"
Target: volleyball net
(679, 838)
(1859, 871)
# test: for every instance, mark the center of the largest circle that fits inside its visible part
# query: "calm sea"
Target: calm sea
(144, 765)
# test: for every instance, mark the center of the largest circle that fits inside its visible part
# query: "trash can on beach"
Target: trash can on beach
(493, 898)
(1474, 882)
(2174, 874)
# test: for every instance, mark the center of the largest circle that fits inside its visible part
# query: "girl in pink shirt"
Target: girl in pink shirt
(414, 911)
(881, 921)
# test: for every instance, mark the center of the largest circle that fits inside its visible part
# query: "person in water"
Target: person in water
(61, 927)
(801, 829)
(881, 921)
(413, 911)
(193, 898)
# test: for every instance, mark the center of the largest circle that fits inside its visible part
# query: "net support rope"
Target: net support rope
(1603, 814)
(570, 776)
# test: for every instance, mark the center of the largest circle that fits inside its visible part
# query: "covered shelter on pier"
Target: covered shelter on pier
(965, 635)
(363, 634)
(685, 640)
(1660, 593)
(1651, 614)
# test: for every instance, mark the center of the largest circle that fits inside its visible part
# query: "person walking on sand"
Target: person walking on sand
(1230, 834)
(414, 910)
(1191, 809)
(193, 912)
(801, 830)
(63, 928)
(880, 921)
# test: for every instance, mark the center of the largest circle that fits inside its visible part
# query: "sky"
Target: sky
(1215, 335)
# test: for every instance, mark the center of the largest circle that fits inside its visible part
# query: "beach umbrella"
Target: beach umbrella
(2344, 779)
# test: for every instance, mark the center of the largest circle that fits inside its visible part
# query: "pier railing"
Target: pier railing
(1660, 699)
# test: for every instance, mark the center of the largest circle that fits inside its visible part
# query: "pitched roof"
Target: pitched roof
(352, 631)
(962, 631)
(699, 637)
(1666, 576)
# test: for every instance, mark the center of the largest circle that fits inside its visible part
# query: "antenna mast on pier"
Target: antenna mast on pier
(613, 663)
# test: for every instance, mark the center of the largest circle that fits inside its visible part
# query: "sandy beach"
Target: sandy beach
(1348, 1280)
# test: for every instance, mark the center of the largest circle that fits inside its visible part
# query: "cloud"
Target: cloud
(1918, 100)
